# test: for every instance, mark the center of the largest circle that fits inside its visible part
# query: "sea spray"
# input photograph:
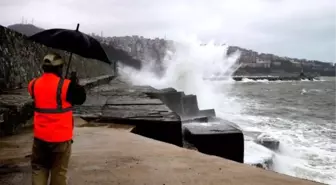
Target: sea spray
(188, 68)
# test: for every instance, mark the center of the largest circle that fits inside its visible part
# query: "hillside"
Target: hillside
(131, 51)
(25, 29)
(251, 62)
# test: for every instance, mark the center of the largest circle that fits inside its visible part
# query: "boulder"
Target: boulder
(266, 164)
(268, 142)
(258, 155)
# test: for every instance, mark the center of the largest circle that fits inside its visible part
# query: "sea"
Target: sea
(299, 114)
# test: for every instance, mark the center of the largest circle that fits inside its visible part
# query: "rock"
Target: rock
(258, 155)
(267, 164)
(268, 142)
(223, 140)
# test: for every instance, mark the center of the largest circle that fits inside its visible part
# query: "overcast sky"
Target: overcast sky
(295, 28)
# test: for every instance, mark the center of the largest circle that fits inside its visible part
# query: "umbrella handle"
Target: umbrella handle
(67, 70)
(68, 67)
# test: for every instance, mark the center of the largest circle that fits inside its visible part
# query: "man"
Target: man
(53, 121)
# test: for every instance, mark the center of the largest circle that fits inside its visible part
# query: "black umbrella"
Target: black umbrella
(72, 41)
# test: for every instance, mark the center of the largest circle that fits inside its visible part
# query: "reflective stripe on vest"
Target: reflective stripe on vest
(59, 108)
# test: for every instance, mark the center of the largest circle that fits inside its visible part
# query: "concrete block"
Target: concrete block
(190, 105)
(169, 132)
(223, 140)
(207, 113)
(173, 100)
(197, 119)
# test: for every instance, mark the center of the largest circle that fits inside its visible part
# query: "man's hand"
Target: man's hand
(73, 77)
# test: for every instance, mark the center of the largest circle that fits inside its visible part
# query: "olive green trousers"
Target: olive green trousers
(50, 159)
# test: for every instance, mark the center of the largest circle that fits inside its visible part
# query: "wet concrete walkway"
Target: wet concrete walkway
(108, 156)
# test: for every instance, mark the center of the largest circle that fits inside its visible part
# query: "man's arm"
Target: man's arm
(76, 94)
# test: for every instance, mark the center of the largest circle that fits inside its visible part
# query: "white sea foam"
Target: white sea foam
(188, 70)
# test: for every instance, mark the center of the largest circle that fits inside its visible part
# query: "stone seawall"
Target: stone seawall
(20, 61)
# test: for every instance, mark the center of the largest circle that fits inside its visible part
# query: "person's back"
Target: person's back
(53, 121)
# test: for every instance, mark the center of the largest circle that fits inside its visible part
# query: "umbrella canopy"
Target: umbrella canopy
(72, 41)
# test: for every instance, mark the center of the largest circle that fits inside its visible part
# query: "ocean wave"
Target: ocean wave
(303, 150)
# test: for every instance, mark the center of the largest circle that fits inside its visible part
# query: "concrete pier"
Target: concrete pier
(273, 78)
(114, 156)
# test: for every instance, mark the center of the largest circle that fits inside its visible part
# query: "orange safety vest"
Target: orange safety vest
(53, 118)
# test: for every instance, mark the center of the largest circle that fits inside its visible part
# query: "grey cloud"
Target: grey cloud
(296, 28)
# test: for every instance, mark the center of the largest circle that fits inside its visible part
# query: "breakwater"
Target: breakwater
(274, 78)
(165, 115)
(268, 78)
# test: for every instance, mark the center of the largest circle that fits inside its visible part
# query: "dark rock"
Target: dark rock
(268, 142)
(266, 164)
(223, 140)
